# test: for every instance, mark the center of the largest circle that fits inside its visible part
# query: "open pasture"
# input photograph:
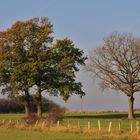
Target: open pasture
(75, 126)
(86, 118)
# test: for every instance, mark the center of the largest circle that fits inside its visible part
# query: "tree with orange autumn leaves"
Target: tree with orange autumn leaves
(30, 58)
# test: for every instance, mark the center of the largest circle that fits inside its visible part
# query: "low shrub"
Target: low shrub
(55, 114)
(31, 119)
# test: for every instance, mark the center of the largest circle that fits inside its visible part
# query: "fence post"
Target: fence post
(3, 121)
(119, 126)
(137, 123)
(137, 126)
(10, 121)
(17, 123)
(58, 124)
(99, 124)
(36, 123)
(88, 125)
(131, 126)
(68, 124)
(78, 124)
(137, 129)
(109, 128)
(43, 124)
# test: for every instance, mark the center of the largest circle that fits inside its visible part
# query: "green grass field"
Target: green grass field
(13, 134)
(82, 119)
(75, 119)
(105, 118)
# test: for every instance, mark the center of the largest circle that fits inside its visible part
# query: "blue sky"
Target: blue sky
(86, 22)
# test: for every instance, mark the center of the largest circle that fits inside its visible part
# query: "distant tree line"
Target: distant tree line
(16, 105)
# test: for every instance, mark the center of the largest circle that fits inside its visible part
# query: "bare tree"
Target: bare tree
(117, 65)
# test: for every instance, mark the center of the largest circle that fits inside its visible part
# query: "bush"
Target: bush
(55, 114)
(31, 119)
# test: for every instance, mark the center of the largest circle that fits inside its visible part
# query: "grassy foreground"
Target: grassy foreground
(14, 134)
(75, 119)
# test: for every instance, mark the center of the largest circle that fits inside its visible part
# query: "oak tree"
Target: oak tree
(55, 73)
(116, 63)
(20, 41)
(35, 61)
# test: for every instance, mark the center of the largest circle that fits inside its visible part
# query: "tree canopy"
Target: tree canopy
(117, 64)
(34, 59)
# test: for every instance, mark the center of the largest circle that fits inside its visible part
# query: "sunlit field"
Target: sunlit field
(75, 126)
(82, 119)
(14, 134)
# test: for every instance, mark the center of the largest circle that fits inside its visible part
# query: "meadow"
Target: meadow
(75, 126)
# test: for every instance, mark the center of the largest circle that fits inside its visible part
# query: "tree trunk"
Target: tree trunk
(27, 104)
(27, 110)
(130, 107)
(39, 110)
(39, 105)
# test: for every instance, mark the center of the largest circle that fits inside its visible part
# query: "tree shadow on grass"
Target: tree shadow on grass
(102, 116)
